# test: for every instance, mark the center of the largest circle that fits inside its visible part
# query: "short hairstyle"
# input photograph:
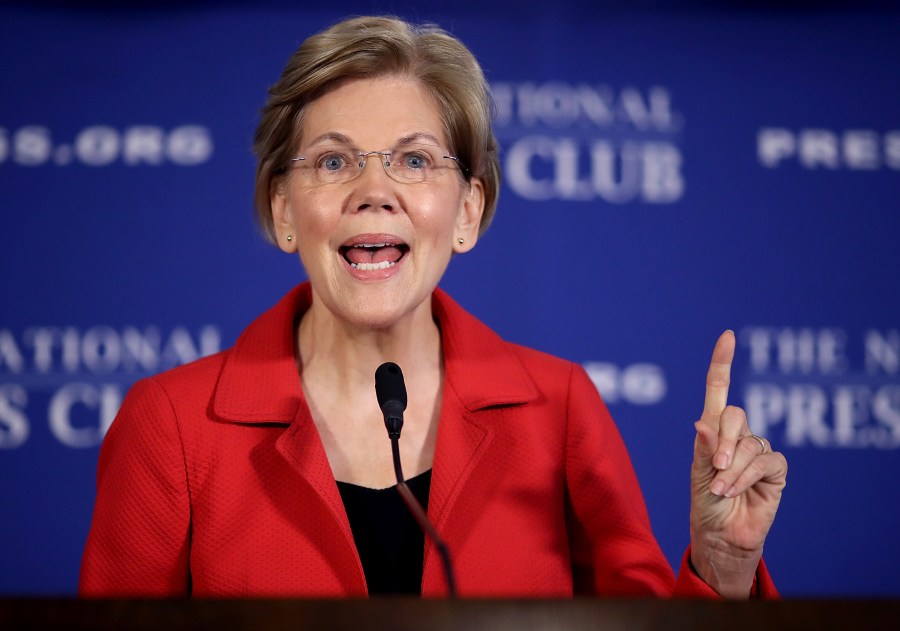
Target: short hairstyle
(367, 47)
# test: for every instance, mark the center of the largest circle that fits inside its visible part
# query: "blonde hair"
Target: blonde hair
(371, 47)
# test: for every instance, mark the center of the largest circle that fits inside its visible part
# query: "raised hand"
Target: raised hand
(736, 486)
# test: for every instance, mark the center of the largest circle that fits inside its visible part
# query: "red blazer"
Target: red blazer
(213, 480)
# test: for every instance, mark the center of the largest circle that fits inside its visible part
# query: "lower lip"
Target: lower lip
(375, 274)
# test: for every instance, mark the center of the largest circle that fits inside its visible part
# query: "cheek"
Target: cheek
(312, 215)
(440, 213)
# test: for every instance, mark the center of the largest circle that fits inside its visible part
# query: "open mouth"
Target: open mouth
(373, 256)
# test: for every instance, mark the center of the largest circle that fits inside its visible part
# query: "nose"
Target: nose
(374, 187)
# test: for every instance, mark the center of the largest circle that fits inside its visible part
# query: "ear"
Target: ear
(282, 218)
(468, 220)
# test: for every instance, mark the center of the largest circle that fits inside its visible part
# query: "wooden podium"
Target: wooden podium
(399, 614)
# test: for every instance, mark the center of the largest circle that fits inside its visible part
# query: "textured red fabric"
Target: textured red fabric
(213, 481)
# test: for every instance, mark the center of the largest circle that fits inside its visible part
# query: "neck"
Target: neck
(338, 362)
(345, 355)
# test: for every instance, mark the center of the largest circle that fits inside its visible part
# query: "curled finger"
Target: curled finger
(747, 449)
(732, 426)
(769, 467)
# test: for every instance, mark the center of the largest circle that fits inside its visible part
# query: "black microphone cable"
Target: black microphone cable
(391, 392)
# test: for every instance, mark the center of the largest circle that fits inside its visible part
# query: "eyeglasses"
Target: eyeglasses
(410, 163)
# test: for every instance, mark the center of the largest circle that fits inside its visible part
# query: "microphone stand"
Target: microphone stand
(391, 393)
(419, 514)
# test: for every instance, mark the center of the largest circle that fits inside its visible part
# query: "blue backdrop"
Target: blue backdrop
(668, 174)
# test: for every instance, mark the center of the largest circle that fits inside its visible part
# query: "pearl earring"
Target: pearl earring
(461, 240)
(290, 238)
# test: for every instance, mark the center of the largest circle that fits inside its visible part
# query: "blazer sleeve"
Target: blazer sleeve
(613, 550)
(690, 585)
(138, 543)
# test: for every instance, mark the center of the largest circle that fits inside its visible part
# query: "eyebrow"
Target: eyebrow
(337, 137)
(407, 140)
(332, 136)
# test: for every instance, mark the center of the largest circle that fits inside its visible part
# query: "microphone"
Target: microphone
(390, 390)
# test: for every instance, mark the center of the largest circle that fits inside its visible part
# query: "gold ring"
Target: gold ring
(762, 443)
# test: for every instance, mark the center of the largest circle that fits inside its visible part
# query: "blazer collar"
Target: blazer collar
(482, 369)
(260, 381)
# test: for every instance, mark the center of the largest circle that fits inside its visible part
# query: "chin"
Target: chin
(376, 308)
(375, 304)
(377, 317)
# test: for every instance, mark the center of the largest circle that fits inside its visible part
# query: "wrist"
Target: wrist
(729, 571)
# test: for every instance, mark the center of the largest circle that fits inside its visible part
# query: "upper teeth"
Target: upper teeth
(370, 245)
(368, 267)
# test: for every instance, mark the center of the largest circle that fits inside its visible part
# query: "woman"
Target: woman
(258, 471)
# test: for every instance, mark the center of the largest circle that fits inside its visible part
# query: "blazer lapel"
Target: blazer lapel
(461, 443)
(302, 447)
(260, 383)
(481, 372)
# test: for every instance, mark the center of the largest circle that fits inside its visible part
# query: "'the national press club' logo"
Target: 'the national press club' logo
(103, 145)
(589, 142)
(74, 379)
(822, 387)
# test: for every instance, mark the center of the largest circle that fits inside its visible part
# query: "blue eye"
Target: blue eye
(415, 161)
(332, 162)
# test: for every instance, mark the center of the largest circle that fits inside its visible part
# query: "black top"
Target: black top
(390, 543)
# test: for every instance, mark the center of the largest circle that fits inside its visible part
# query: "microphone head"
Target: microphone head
(390, 387)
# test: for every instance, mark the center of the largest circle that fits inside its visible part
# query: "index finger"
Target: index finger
(718, 379)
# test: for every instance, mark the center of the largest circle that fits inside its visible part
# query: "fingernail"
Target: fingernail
(721, 461)
(717, 487)
(731, 492)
